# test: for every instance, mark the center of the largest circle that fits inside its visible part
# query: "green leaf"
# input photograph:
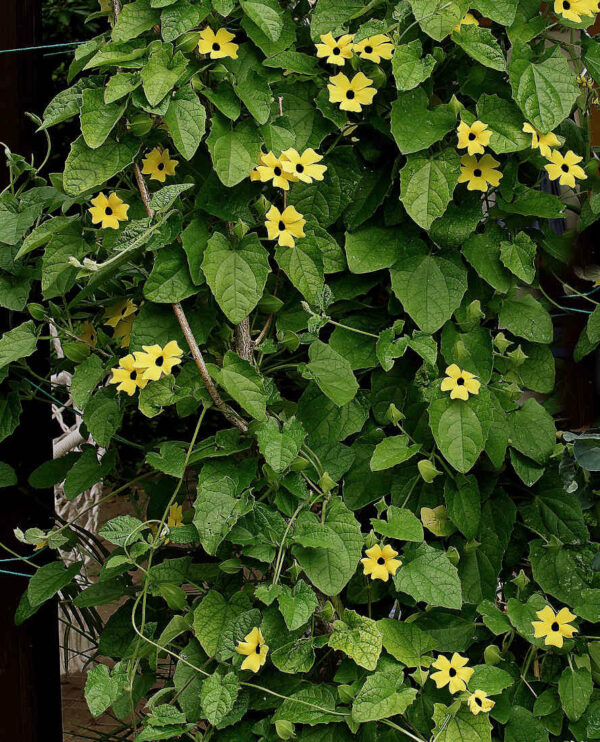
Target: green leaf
(531, 202)
(302, 64)
(86, 471)
(215, 616)
(382, 695)
(120, 85)
(409, 68)
(575, 690)
(330, 569)
(134, 19)
(217, 510)
(472, 351)
(98, 118)
(20, 342)
(401, 524)
(169, 282)
(480, 44)
(430, 288)
(332, 373)
(303, 265)
(280, 448)
(483, 252)
(122, 530)
(358, 637)
(551, 511)
(458, 222)
(180, 17)
(161, 72)
(312, 704)
(372, 248)
(103, 416)
(330, 15)
(546, 90)
(463, 502)
(8, 476)
(519, 256)
(429, 577)
(438, 19)
(58, 275)
(460, 428)
(523, 727)
(86, 378)
(266, 14)
(87, 168)
(525, 317)
(427, 185)
(463, 726)
(532, 431)
(48, 580)
(42, 234)
(234, 152)
(101, 690)
(500, 11)
(405, 641)
(492, 680)
(505, 121)
(255, 94)
(392, 451)
(244, 384)
(295, 657)
(236, 274)
(10, 412)
(297, 604)
(218, 696)
(415, 126)
(186, 121)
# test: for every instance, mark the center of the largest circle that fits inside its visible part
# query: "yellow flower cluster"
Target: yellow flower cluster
(456, 675)
(480, 173)
(573, 10)
(564, 168)
(136, 370)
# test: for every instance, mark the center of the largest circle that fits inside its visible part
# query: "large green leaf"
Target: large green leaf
(234, 151)
(244, 384)
(20, 342)
(525, 317)
(382, 695)
(427, 185)
(236, 274)
(409, 68)
(87, 168)
(480, 44)
(169, 282)
(429, 577)
(186, 120)
(218, 695)
(438, 17)
(415, 126)
(532, 431)
(358, 637)
(405, 641)
(97, 117)
(575, 690)
(332, 373)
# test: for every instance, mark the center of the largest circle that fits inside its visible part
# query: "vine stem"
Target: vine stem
(244, 344)
(185, 325)
(116, 9)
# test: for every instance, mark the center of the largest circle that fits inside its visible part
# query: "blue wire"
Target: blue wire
(20, 559)
(17, 574)
(35, 48)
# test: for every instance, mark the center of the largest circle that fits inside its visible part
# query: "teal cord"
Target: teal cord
(16, 574)
(35, 48)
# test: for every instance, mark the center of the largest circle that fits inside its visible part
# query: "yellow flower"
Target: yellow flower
(217, 45)
(157, 164)
(540, 141)
(380, 563)
(110, 211)
(175, 519)
(128, 376)
(123, 331)
(272, 168)
(118, 311)
(40, 545)
(156, 361)
(452, 672)
(474, 138)
(478, 173)
(254, 174)
(572, 10)
(336, 52)
(460, 383)
(303, 166)
(255, 649)
(565, 168)
(375, 48)
(284, 226)
(353, 94)
(554, 626)
(479, 701)
(585, 82)
(88, 334)
(468, 20)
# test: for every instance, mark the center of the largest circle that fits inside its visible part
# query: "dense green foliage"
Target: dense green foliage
(317, 363)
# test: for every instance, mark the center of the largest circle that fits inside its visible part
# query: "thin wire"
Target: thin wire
(17, 574)
(19, 559)
(46, 46)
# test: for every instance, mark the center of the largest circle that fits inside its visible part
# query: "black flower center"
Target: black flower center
(350, 94)
(564, 168)
(159, 360)
(133, 375)
(478, 701)
(108, 211)
(472, 137)
(555, 626)
(368, 49)
(161, 166)
(337, 50)
(477, 172)
(216, 47)
(452, 672)
(299, 168)
(277, 171)
(460, 381)
(281, 226)
(257, 650)
(566, 5)
(381, 560)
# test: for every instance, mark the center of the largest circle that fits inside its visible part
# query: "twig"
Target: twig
(116, 9)
(208, 382)
(244, 344)
(144, 192)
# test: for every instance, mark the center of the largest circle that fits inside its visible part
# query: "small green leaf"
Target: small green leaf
(429, 577)
(218, 696)
(332, 373)
(358, 637)
(244, 384)
(392, 451)
(427, 185)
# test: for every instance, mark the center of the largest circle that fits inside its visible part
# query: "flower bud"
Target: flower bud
(427, 470)
(284, 729)
(491, 655)
(326, 483)
(140, 124)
